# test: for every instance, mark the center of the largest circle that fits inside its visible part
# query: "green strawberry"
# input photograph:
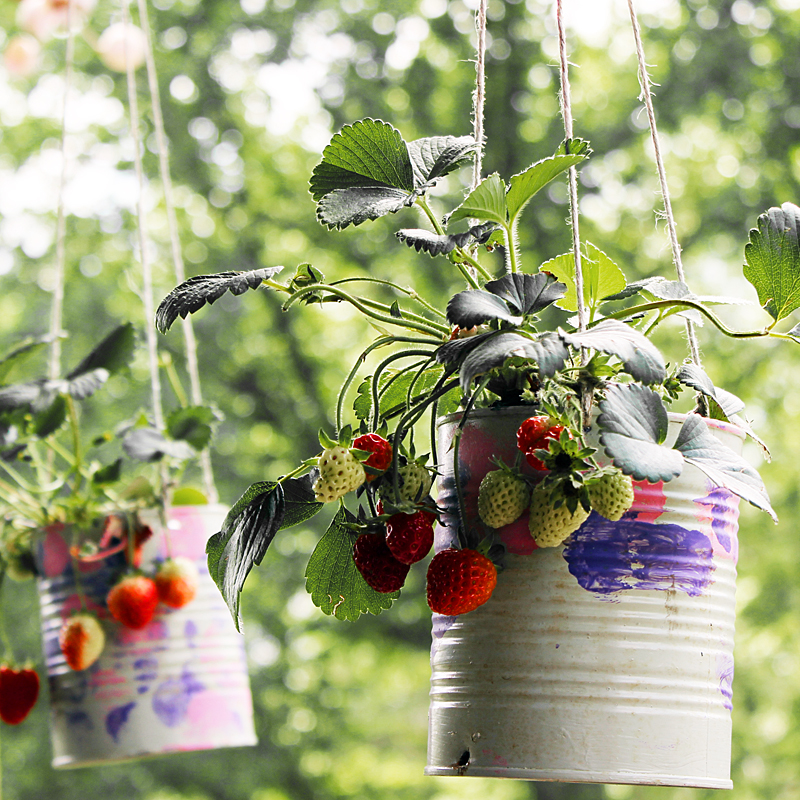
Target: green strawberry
(340, 472)
(612, 495)
(502, 497)
(551, 526)
(413, 481)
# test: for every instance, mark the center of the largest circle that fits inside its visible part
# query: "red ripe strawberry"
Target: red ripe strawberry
(81, 640)
(459, 581)
(409, 537)
(133, 601)
(176, 582)
(19, 690)
(381, 453)
(379, 568)
(534, 434)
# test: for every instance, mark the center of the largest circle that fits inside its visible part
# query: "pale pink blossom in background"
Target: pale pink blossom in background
(121, 42)
(21, 56)
(44, 18)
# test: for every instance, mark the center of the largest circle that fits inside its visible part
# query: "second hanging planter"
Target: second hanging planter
(608, 659)
(178, 684)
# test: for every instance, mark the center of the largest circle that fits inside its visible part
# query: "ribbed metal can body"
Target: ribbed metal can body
(608, 659)
(179, 684)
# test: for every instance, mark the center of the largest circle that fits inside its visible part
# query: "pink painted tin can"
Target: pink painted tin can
(608, 659)
(179, 684)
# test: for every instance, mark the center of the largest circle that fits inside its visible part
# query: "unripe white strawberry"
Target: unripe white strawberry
(340, 472)
(612, 496)
(81, 640)
(551, 526)
(502, 497)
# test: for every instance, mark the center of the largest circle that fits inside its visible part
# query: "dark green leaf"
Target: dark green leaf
(435, 245)
(524, 185)
(640, 357)
(724, 467)
(194, 293)
(579, 147)
(36, 394)
(108, 474)
(50, 419)
(487, 201)
(367, 154)
(20, 354)
(114, 353)
(693, 376)
(633, 424)
(300, 502)
(344, 207)
(85, 384)
(528, 294)
(246, 534)
(475, 306)
(192, 425)
(547, 352)
(148, 444)
(436, 156)
(772, 259)
(332, 579)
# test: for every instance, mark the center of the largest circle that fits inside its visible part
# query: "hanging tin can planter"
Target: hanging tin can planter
(178, 684)
(608, 659)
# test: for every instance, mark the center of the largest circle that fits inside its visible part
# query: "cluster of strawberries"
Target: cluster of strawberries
(505, 494)
(132, 602)
(457, 580)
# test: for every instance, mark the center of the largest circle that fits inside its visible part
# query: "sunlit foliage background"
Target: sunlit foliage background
(252, 91)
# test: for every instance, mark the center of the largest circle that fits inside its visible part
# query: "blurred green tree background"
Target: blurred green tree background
(252, 90)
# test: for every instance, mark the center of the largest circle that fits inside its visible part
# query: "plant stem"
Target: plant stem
(511, 247)
(659, 304)
(413, 295)
(430, 328)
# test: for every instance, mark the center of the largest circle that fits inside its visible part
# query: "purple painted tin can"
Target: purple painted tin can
(179, 684)
(608, 659)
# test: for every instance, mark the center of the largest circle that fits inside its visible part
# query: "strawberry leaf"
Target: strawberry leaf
(640, 357)
(332, 579)
(528, 294)
(149, 445)
(193, 294)
(246, 533)
(633, 424)
(524, 185)
(693, 376)
(192, 425)
(487, 201)
(112, 354)
(475, 306)
(724, 467)
(343, 207)
(436, 245)
(436, 156)
(772, 259)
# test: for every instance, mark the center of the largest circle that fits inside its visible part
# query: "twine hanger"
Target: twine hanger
(647, 98)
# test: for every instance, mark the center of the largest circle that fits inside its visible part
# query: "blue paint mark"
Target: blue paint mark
(142, 689)
(171, 698)
(190, 629)
(116, 719)
(721, 508)
(607, 557)
(79, 719)
(144, 663)
(147, 676)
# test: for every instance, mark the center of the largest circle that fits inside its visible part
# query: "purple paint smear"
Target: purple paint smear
(116, 718)
(726, 684)
(724, 515)
(171, 698)
(607, 557)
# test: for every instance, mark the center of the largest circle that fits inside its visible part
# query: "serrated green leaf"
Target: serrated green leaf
(112, 354)
(196, 292)
(19, 354)
(701, 448)
(332, 579)
(772, 260)
(633, 424)
(435, 156)
(343, 207)
(601, 277)
(50, 419)
(369, 153)
(524, 185)
(246, 534)
(192, 425)
(487, 202)
(475, 306)
(393, 398)
(108, 474)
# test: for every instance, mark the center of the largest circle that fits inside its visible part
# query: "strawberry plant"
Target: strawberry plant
(509, 337)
